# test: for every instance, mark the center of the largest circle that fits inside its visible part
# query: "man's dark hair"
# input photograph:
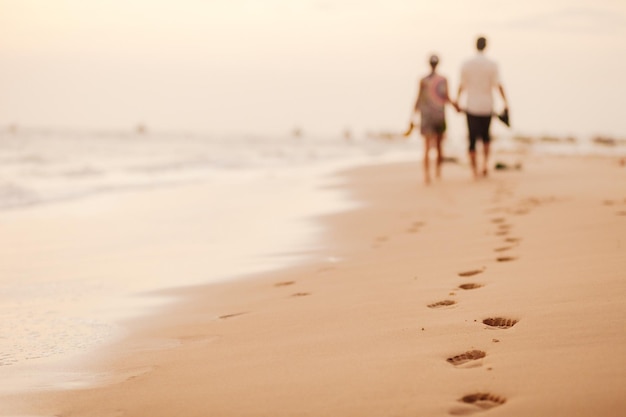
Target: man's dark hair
(481, 43)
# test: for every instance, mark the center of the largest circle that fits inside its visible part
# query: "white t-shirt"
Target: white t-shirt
(479, 76)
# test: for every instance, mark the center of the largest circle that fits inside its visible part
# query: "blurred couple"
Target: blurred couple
(479, 78)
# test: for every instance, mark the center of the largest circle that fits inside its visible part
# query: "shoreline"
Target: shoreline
(74, 272)
(394, 314)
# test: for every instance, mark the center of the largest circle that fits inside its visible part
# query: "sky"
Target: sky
(269, 66)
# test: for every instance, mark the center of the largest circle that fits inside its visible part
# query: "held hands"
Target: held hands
(456, 106)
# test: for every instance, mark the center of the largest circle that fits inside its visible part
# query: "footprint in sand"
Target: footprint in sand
(197, 339)
(440, 304)
(230, 316)
(504, 226)
(300, 294)
(378, 241)
(134, 373)
(471, 273)
(470, 286)
(284, 283)
(469, 356)
(500, 322)
(505, 258)
(415, 227)
(503, 248)
(477, 402)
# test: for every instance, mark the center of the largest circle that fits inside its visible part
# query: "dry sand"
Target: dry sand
(505, 296)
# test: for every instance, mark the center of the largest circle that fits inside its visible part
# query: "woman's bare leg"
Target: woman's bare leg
(438, 142)
(427, 142)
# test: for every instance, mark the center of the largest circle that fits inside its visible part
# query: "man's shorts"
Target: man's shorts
(478, 127)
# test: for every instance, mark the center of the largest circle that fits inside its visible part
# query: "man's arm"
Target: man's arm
(458, 97)
(501, 90)
(447, 97)
(462, 83)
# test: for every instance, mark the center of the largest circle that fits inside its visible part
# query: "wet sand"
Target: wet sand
(505, 295)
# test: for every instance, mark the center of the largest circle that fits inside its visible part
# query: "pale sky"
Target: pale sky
(266, 66)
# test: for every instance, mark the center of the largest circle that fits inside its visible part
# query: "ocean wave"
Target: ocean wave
(44, 166)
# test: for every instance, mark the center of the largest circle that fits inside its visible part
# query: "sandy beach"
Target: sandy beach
(505, 296)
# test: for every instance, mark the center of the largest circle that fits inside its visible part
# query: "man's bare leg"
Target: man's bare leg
(486, 158)
(472, 156)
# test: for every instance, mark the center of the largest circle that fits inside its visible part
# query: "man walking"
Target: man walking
(479, 77)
